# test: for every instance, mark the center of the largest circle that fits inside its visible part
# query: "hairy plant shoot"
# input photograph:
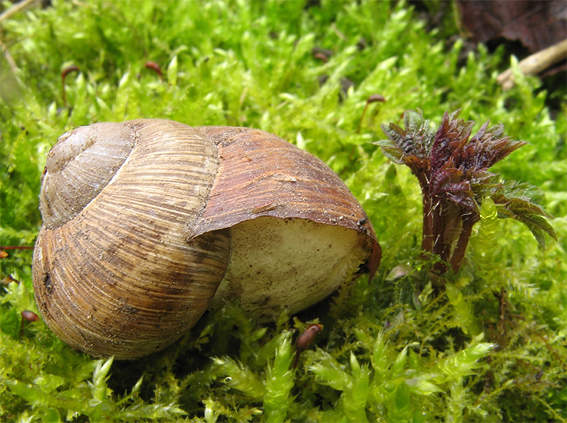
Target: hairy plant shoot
(452, 170)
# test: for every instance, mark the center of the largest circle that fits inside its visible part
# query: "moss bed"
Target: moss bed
(488, 344)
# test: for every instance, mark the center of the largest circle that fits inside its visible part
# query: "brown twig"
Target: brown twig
(9, 58)
(535, 63)
(15, 9)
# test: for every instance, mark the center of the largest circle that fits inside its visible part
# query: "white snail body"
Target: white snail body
(144, 221)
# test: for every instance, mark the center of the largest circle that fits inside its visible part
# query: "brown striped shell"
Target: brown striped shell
(144, 221)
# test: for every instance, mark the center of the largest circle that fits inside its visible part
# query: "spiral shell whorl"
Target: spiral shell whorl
(73, 175)
(118, 277)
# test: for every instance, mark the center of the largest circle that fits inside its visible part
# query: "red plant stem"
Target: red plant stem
(435, 224)
(64, 74)
(372, 99)
(462, 243)
(427, 236)
(362, 117)
(440, 247)
(4, 254)
(438, 229)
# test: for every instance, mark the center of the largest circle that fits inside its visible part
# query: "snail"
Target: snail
(148, 223)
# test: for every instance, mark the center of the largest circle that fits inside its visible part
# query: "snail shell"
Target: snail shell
(147, 223)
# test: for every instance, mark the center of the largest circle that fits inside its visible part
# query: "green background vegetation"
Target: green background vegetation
(489, 346)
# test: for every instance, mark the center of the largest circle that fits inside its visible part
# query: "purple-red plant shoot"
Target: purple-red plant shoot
(452, 170)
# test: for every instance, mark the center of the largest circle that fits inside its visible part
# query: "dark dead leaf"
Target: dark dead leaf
(536, 24)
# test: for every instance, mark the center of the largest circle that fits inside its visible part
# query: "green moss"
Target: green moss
(490, 347)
